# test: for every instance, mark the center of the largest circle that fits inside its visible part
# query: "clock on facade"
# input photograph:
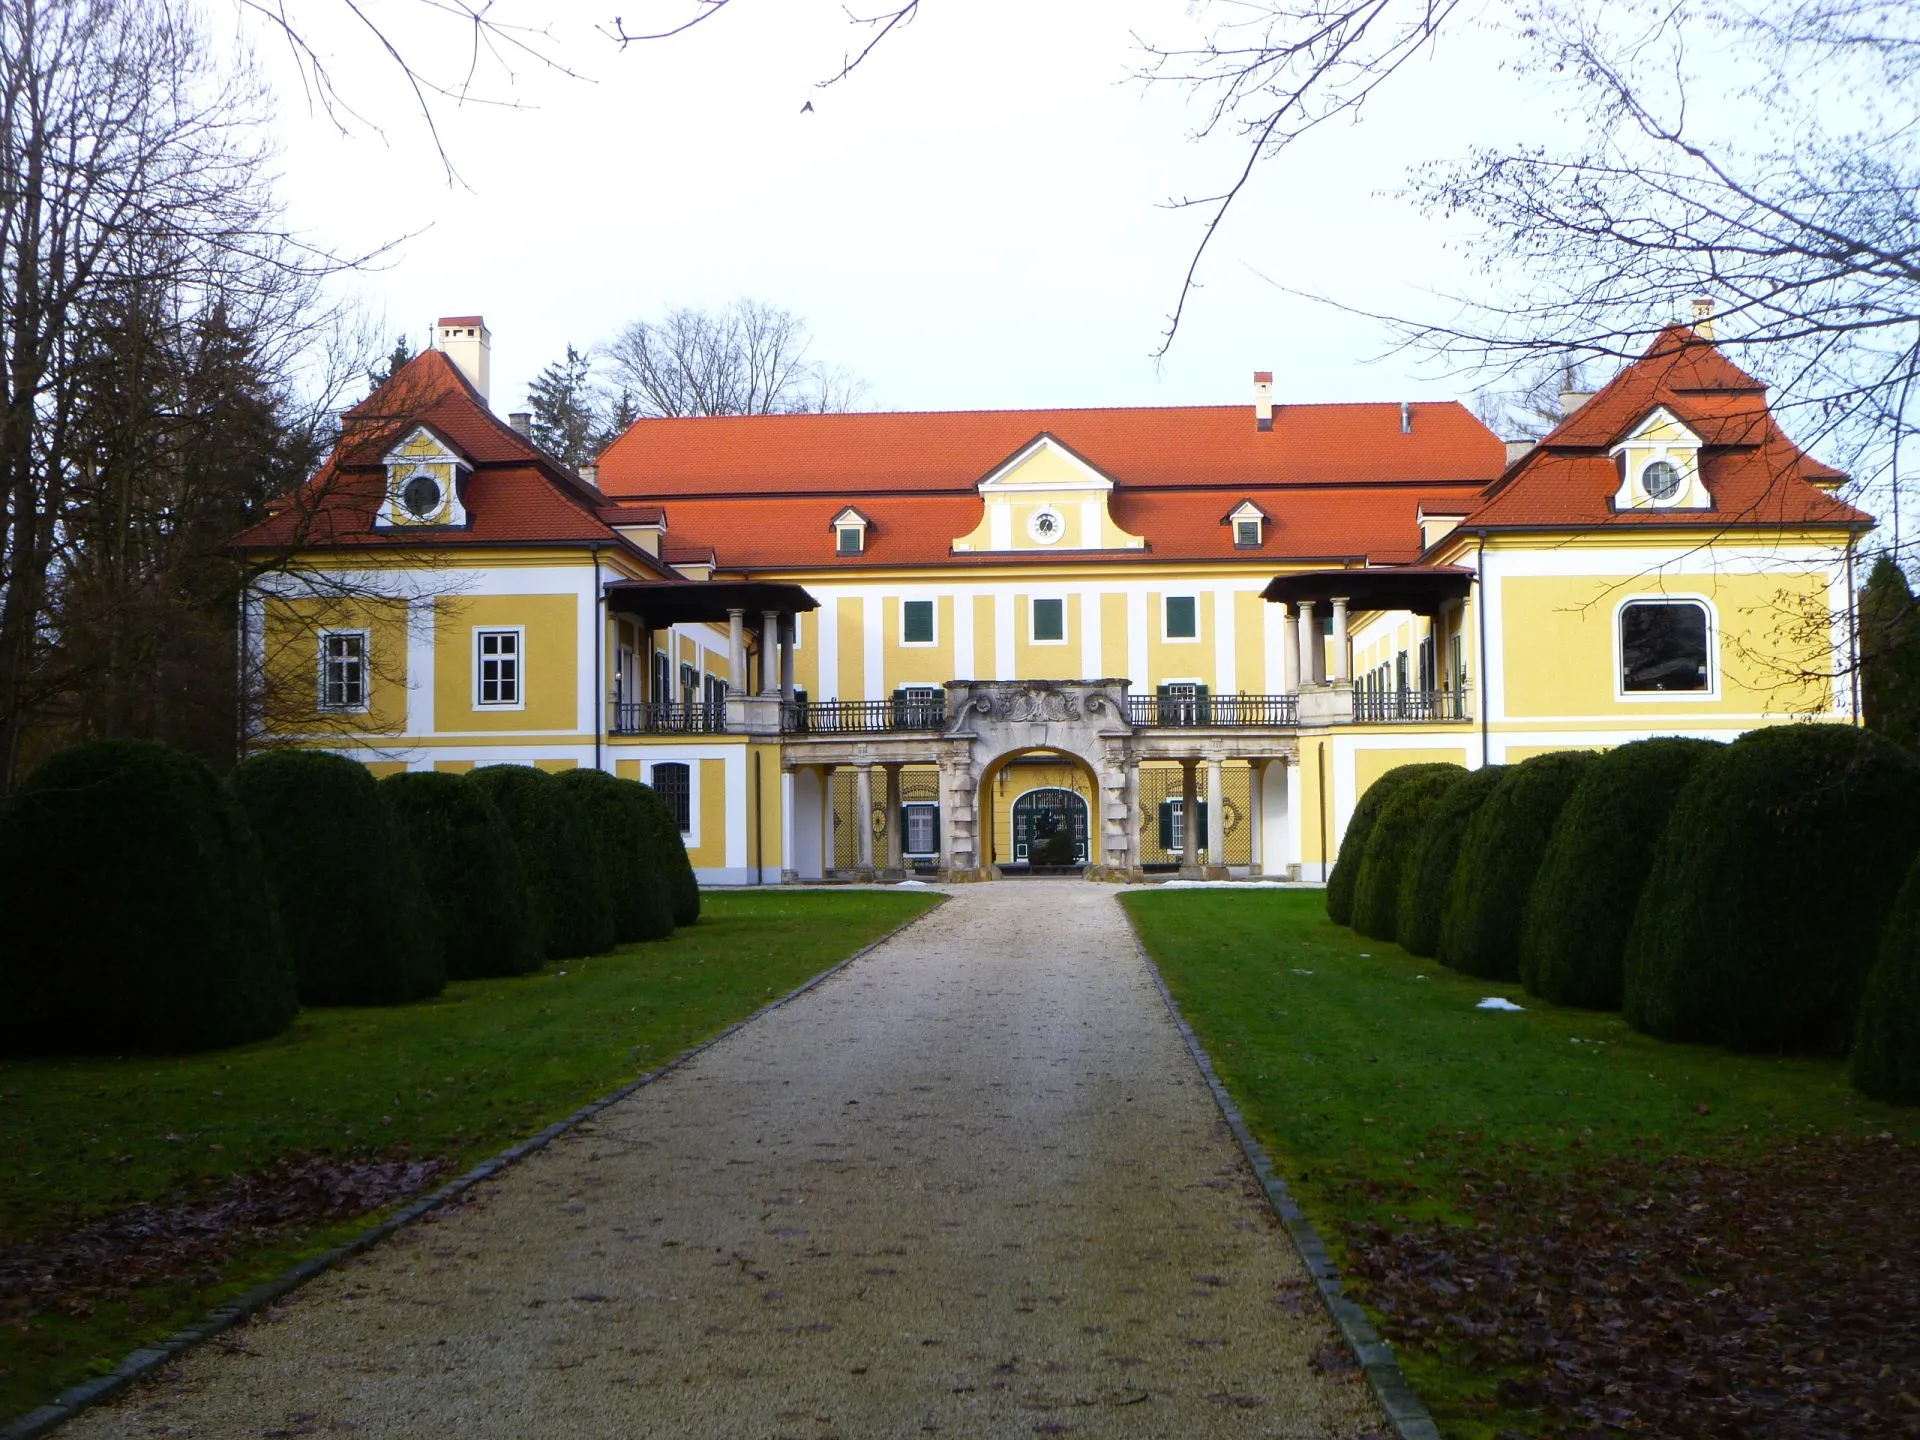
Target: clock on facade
(1046, 526)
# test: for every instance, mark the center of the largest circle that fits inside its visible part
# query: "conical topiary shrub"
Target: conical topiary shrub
(1487, 897)
(1396, 834)
(1772, 882)
(355, 925)
(469, 870)
(1573, 942)
(136, 913)
(560, 854)
(1886, 1034)
(636, 879)
(681, 883)
(1353, 844)
(1428, 873)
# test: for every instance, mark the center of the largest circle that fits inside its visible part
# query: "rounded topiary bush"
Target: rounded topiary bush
(636, 880)
(1428, 873)
(469, 871)
(1487, 897)
(1886, 1035)
(681, 883)
(560, 854)
(136, 913)
(356, 928)
(1769, 890)
(1574, 939)
(1396, 834)
(1345, 874)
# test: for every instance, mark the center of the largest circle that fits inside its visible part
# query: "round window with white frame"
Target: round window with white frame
(1046, 526)
(422, 497)
(1661, 480)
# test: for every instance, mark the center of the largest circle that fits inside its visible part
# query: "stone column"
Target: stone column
(827, 856)
(1189, 817)
(769, 644)
(644, 688)
(896, 840)
(1289, 651)
(1216, 814)
(737, 651)
(786, 660)
(1311, 651)
(863, 823)
(1342, 651)
(1257, 805)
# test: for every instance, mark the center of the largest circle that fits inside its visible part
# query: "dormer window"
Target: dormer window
(1249, 524)
(423, 484)
(1659, 466)
(850, 533)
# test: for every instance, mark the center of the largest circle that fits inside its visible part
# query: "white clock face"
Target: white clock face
(1046, 526)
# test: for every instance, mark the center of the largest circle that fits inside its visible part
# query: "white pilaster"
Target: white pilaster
(1003, 652)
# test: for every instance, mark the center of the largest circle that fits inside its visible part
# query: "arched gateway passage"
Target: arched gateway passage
(1050, 828)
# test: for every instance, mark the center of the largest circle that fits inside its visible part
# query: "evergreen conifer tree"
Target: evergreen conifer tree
(1890, 654)
(561, 399)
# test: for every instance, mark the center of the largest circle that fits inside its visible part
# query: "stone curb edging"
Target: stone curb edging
(69, 1403)
(1406, 1412)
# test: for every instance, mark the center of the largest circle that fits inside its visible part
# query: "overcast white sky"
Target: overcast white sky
(973, 220)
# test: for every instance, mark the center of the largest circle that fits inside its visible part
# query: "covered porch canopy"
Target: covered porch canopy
(764, 606)
(1421, 589)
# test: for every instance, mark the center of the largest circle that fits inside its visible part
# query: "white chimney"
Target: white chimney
(1703, 317)
(465, 340)
(1263, 399)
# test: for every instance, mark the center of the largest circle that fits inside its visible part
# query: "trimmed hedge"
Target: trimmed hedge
(1396, 834)
(1345, 875)
(1487, 897)
(1428, 873)
(1886, 1036)
(469, 871)
(1770, 887)
(355, 925)
(136, 912)
(1573, 942)
(560, 853)
(637, 893)
(681, 884)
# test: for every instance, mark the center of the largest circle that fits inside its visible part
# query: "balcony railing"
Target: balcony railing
(862, 717)
(633, 718)
(1386, 707)
(1161, 711)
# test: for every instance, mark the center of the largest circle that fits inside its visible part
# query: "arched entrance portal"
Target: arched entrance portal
(1047, 822)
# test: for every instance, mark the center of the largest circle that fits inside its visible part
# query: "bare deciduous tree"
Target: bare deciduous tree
(747, 359)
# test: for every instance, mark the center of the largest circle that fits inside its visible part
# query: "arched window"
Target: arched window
(1665, 646)
(673, 782)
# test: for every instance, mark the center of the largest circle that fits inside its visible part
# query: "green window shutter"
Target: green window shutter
(1166, 824)
(1203, 712)
(1182, 618)
(1049, 620)
(916, 622)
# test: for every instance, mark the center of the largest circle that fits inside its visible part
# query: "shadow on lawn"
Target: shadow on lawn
(1762, 1296)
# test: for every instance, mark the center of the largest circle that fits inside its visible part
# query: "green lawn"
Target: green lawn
(459, 1077)
(1375, 1083)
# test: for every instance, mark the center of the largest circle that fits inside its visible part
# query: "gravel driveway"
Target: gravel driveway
(970, 1186)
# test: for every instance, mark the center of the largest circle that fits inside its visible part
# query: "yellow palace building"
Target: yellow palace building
(1126, 640)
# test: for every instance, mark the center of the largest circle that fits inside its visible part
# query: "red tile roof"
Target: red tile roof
(1756, 475)
(514, 495)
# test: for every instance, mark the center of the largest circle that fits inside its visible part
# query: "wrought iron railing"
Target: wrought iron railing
(862, 717)
(635, 718)
(1385, 707)
(1228, 710)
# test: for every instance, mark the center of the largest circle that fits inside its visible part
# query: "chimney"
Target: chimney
(590, 472)
(1263, 399)
(1406, 418)
(1572, 400)
(464, 339)
(1703, 317)
(1518, 448)
(522, 423)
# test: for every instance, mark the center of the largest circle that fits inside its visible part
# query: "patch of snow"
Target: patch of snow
(1495, 1002)
(910, 885)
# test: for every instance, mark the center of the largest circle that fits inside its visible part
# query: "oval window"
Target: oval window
(421, 496)
(1660, 480)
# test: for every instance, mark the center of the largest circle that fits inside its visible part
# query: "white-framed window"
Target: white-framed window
(1179, 617)
(343, 671)
(1664, 646)
(1047, 620)
(499, 682)
(922, 835)
(850, 539)
(919, 622)
(1246, 534)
